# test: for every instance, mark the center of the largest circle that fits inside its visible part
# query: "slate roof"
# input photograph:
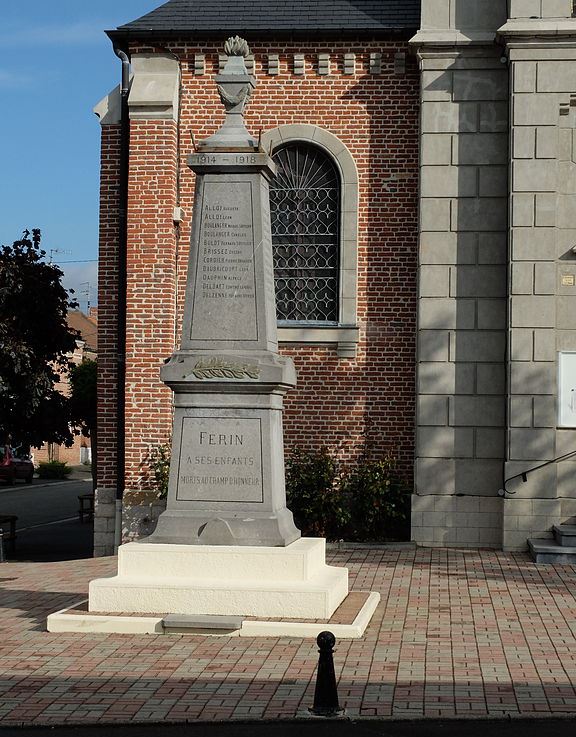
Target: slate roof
(282, 17)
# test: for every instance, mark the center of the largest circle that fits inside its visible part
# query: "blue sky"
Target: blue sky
(56, 63)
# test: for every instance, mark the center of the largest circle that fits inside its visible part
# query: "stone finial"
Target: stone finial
(235, 85)
(236, 46)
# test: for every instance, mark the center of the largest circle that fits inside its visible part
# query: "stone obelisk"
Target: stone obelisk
(227, 473)
(226, 543)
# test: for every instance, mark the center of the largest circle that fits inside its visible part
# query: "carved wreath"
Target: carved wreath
(218, 368)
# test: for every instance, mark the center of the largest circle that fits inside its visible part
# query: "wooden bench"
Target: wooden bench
(10, 536)
(86, 508)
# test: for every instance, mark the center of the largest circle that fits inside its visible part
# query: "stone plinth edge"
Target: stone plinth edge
(64, 621)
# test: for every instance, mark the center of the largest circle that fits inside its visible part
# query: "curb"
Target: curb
(40, 486)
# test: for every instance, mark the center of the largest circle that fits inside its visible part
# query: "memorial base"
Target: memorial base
(292, 581)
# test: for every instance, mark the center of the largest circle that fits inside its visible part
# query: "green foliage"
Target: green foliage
(83, 395)
(159, 463)
(364, 503)
(378, 500)
(34, 341)
(53, 470)
(313, 494)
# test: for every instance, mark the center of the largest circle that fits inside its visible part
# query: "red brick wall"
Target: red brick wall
(338, 402)
(152, 258)
(107, 305)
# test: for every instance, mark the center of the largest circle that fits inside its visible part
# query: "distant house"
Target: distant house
(86, 349)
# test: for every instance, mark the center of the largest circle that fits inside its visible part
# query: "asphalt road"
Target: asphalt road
(48, 527)
(317, 727)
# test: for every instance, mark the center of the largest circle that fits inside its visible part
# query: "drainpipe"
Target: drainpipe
(121, 316)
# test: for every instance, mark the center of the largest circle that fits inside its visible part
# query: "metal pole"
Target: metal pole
(326, 702)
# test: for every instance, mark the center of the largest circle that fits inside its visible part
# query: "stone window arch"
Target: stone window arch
(339, 327)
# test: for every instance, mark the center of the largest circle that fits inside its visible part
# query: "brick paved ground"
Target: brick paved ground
(457, 633)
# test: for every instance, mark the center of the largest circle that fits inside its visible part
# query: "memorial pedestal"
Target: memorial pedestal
(227, 544)
(288, 582)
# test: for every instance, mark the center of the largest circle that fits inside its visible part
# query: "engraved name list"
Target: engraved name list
(225, 290)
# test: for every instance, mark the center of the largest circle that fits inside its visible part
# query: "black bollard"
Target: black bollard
(2, 555)
(326, 694)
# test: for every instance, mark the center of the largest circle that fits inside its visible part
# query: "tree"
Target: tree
(34, 341)
(83, 404)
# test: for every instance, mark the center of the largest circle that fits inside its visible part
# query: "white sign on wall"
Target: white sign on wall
(567, 389)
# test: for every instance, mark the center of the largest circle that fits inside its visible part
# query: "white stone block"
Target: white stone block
(535, 312)
(436, 85)
(446, 117)
(533, 244)
(290, 581)
(545, 213)
(557, 8)
(433, 345)
(536, 109)
(480, 84)
(436, 148)
(491, 314)
(447, 248)
(522, 277)
(434, 281)
(480, 214)
(534, 176)
(521, 345)
(493, 181)
(520, 413)
(493, 117)
(480, 148)
(492, 248)
(524, 142)
(547, 142)
(545, 278)
(448, 181)
(435, 214)
(544, 345)
(524, 74)
(525, 8)
(523, 210)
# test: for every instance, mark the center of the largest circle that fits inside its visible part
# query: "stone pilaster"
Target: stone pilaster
(540, 39)
(462, 275)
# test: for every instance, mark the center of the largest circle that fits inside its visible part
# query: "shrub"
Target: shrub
(159, 463)
(53, 470)
(379, 501)
(313, 494)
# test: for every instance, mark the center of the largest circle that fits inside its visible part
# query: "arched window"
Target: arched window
(305, 214)
(314, 204)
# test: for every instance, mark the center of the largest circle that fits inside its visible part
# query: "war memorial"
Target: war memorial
(226, 547)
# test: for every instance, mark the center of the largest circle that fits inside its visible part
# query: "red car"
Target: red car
(12, 468)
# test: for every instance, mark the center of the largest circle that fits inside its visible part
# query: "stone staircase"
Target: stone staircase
(562, 549)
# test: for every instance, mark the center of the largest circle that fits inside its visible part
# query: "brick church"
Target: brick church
(430, 307)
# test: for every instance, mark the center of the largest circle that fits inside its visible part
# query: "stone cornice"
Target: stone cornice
(452, 37)
(524, 28)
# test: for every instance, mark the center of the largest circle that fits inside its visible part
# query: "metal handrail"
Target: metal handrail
(524, 474)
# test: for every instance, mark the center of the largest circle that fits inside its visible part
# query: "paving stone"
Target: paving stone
(473, 633)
